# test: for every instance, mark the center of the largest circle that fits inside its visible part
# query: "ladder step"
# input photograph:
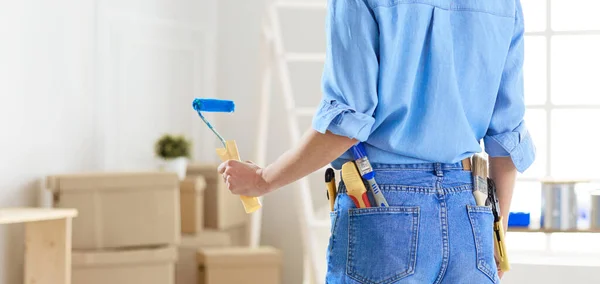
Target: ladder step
(301, 4)
(305, 57)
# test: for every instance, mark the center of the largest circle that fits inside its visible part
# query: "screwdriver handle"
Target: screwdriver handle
(361, 201)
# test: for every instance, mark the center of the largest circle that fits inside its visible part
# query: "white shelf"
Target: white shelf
(551, 231)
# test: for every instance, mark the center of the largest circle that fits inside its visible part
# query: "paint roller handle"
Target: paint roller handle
(213, 105)
(230, 152)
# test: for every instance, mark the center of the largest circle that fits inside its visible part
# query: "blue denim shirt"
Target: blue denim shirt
(426, 80)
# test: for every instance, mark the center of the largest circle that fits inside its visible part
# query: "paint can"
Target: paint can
(559, 206)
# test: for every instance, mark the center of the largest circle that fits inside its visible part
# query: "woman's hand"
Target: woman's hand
(314, 151)
(244, 178)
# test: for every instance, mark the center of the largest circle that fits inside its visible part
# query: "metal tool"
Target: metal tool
(499, 244)
(331, 189)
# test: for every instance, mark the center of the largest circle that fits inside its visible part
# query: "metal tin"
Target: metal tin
(559, 206)
(595, 214)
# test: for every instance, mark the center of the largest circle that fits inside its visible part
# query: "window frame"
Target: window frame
(549, 107)
(548, 34)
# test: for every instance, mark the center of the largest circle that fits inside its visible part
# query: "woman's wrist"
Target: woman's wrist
(315, 151)
(262, 181)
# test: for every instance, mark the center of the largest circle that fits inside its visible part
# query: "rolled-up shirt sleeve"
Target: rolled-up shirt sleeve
(507, 135)
(349, 81)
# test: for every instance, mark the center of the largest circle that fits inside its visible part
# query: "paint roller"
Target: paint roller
(229, 150)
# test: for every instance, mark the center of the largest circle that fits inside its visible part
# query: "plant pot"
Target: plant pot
(176, 165)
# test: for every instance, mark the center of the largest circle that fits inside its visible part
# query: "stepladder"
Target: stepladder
(276, 64)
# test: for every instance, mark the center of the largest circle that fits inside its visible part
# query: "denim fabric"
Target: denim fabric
(433, 232)
(426, 80)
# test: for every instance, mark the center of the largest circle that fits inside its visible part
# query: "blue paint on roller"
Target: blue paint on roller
(213, 105)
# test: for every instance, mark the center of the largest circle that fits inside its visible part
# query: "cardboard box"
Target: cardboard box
(239, 235)
(119, 210)
(222, 209)
(191, 191)
(239, 265)
(146, 265)
(186, 269)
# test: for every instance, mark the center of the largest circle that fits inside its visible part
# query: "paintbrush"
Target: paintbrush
(480, 176)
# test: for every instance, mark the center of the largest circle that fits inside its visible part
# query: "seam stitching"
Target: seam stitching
(442, 8)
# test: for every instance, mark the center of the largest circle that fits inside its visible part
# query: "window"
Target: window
(562, 93)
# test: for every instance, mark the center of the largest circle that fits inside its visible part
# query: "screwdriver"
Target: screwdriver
(354, 185)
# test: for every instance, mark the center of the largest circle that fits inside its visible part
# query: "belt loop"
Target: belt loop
(438, 170)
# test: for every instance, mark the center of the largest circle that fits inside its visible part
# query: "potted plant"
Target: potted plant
(174, 150)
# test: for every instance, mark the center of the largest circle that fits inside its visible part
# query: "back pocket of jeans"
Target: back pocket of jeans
(482, 222)
(382, 244)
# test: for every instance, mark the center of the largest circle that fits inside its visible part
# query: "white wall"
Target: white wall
(154, 57)
(47, 112)
(89, 85)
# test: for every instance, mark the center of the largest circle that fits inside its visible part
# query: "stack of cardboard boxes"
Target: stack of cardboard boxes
(196, 191)
(128, 226)
(152, 228)
(224, 218)
(214, 209)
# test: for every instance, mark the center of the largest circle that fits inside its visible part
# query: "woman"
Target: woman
(421, 83)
